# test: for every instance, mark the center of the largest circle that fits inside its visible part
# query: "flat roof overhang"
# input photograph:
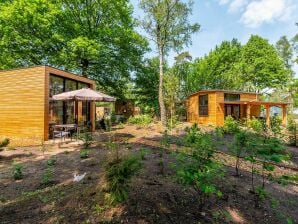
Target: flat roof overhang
(255, 103)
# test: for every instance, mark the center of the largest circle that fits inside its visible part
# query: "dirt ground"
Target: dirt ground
(154, 197)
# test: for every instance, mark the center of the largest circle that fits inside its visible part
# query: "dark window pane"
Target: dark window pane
(82, 85)
(56, 85)
(56, 112)
(69, 112)
(70, 85)
(203, 105)
(232, 97)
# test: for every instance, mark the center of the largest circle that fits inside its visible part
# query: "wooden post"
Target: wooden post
(284, 114)
(268, 115)
(92, 114)
(248, 112)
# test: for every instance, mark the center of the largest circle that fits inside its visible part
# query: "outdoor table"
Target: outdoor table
(68, 127)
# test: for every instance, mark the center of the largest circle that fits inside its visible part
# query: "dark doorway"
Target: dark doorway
(232, 110)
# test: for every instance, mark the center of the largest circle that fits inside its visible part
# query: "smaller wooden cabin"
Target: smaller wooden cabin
(211, 107)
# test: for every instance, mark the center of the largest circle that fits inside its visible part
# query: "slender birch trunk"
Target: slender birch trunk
(162, 107)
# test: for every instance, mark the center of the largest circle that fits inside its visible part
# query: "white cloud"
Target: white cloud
(223, 2)
(254, 13)
(237, 5)
(264, 11)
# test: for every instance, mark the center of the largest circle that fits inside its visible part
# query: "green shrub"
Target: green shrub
(142, 120)
(231, 126)
(87, 139)
(275, 124)
(52, 161)
(192, 134)
(256, 125)
(5, 142)
(84, 153)
(113, 146)
(238, 148)
(118, 175)
(292, 128)
(197, 168)
(17, 171)
(142, 153)
(47, 176)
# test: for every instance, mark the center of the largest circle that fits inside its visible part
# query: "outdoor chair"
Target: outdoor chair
(59, 132)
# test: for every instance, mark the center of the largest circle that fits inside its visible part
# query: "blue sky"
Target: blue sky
(227, 19)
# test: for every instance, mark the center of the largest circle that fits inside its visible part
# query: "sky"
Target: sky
(227, 19)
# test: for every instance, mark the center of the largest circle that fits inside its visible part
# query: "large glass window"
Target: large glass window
(203, 105)
(232, 97)
(67, 112)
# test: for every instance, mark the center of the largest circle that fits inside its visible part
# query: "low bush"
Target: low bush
(191, 134)
(47, 176)
(197, 167)
(5, 142)
(142, 153)
(118, 175)
(142, 120)
(87, 139)
(231, 126)
(17, 171)
(84, 153)
(275, 125)
(52, 161)
(293, 129)
(238, 148)
(255, 124)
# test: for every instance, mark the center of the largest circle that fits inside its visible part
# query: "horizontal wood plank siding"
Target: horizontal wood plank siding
(22, 94)
(193, 109)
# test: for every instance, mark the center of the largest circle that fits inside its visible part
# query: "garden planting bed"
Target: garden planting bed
(154, 196)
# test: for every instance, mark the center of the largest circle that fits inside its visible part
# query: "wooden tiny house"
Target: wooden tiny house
(26, 108)
(210, 107)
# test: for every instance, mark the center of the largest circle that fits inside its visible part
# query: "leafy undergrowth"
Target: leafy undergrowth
(154, 194)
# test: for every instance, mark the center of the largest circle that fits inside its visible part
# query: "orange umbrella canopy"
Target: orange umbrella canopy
(84, 94)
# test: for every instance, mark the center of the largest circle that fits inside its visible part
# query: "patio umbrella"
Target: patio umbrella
(84, 94)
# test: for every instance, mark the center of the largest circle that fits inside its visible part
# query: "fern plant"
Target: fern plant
(118, 175)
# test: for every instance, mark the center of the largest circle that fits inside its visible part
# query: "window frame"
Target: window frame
(203, 108)
(234, 94)
(78, 85)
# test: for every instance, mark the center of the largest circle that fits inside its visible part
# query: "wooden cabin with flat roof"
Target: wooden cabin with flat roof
(211, 107)
(26, 109)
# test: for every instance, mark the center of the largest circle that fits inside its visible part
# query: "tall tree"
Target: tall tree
(166, 23)
(285, 51)
(295, 45)
(181, 69)
(146, 85)
(93, 37)
(261, 65)
(217, 70)
(28, 34)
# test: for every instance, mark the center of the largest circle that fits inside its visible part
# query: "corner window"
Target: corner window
(203, 105)
(232, 97)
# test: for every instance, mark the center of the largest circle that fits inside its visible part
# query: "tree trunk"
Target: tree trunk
(84, 67)
(163, 116)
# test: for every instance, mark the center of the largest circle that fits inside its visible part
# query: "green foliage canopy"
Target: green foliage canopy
(94, 38)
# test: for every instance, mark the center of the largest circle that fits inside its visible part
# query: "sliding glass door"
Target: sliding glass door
(67, 112)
